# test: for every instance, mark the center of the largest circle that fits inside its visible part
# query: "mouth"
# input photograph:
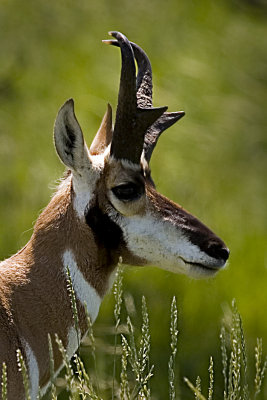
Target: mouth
(204, 268)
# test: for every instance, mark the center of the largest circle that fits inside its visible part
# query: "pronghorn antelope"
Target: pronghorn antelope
(106, 207)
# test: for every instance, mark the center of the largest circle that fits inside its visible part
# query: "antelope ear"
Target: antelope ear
(69, 139)
(104, 135)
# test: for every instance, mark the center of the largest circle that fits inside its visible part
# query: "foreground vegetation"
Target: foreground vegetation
(131, 380)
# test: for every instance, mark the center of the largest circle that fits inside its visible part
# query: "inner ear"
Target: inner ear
(104, 135)
(69, 139)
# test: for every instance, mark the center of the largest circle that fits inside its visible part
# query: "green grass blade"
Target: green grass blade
(194, 389)
(117, 290)
(24, 372)
(211, 380)
(52, 369)
(224, 361)
(4, 381)
(73, 302)
(145, 339)
(260, 369)
(174, 337)
(198, 387)
(69, 375)
(124, 385)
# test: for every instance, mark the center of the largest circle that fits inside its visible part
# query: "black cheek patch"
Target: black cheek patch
(106, 231)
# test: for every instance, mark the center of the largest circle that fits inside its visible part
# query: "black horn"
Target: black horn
(132, 119)
(144, 86)
(126, 110)
(144, 78)
(153, 133)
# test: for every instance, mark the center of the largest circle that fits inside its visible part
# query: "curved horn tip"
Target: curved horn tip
(118, 35)
(177, 115)
(113, 33)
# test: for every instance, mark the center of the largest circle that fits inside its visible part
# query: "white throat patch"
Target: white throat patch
(84, 292)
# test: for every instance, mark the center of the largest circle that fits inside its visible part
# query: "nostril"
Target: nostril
(218, 251)
(224, 253)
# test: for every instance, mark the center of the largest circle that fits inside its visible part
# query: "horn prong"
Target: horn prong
(153, 133)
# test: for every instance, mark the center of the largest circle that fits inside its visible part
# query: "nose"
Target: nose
(218, 251)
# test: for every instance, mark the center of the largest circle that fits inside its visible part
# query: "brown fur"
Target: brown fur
(33, 295)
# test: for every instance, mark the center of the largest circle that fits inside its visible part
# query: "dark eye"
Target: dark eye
(128, 191)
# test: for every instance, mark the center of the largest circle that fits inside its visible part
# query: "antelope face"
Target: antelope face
(114, 194)
(156, 230)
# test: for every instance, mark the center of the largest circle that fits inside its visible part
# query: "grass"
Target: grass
(209, 58)
(136, 370)
(4, 382)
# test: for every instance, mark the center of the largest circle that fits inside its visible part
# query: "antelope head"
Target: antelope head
(113, 192)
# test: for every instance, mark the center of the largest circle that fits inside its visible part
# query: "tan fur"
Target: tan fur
(33, 293)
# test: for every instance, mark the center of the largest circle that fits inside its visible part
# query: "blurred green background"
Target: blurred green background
(209, 58)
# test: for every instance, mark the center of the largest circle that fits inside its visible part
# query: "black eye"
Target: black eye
(128, 191)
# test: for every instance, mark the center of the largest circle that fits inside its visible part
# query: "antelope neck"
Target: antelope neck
(60, 240)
